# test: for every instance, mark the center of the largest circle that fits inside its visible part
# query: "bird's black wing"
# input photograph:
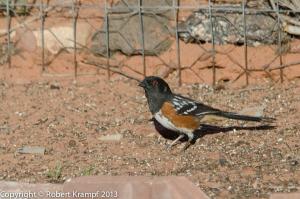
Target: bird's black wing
(186, 106)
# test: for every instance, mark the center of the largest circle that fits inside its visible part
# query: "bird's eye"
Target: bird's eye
(154, 83)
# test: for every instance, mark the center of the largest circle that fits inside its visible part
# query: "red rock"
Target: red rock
(285, 196)
(127, 187)
(26, 190)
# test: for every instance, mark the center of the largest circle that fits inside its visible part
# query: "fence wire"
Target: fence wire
(108, 11)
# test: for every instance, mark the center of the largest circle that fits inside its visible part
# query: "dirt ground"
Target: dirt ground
(69, 119)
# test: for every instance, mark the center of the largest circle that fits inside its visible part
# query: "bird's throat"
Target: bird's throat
(155, 102)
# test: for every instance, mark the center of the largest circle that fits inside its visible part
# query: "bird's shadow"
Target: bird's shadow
(207, 130)
(211, 129)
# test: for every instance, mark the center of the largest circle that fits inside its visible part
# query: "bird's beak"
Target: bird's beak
(141, 84)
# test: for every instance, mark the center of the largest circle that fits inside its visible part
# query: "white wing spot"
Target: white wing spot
(176, 103)
(207, 112)
(190, 110)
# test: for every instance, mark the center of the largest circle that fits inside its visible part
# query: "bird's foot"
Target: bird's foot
(167, 148)
(174, 142)
(187, 145)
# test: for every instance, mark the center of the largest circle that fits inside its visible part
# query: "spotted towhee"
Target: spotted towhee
(180, 114)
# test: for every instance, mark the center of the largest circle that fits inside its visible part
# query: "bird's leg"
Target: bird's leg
(188, 144)
(175, 141)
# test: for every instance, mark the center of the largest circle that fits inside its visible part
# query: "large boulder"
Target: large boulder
(261, 28)
(125, 29)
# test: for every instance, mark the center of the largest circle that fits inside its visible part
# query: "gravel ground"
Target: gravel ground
(70, 120)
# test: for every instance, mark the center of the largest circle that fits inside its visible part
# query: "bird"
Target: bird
(182, 115)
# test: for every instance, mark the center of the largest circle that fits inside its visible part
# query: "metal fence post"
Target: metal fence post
(107, 39)
(42, 15)
(142, 37)
(279, 43)
(245, 42)
(8, 21)
(175, 8)
(213, 50)
(75, 17)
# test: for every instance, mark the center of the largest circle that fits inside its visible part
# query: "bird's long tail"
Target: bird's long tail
(236, 116)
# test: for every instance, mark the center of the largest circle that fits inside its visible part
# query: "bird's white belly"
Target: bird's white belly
(165, 122)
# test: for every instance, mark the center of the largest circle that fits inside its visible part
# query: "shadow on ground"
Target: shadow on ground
(206, 130)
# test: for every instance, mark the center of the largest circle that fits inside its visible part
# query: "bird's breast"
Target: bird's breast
(168, 117)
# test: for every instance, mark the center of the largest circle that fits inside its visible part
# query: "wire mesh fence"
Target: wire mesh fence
(134, 35)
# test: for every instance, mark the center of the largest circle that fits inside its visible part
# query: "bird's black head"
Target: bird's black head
(157, 92)
(155, 84)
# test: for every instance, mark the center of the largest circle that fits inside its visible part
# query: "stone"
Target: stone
(129, 187)
(113, 137)
(253, 111)
(27, 190)
(32, 150)
(125, 30)
(56, 38)
(229, 28)
(285, 196)
(121, 187)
